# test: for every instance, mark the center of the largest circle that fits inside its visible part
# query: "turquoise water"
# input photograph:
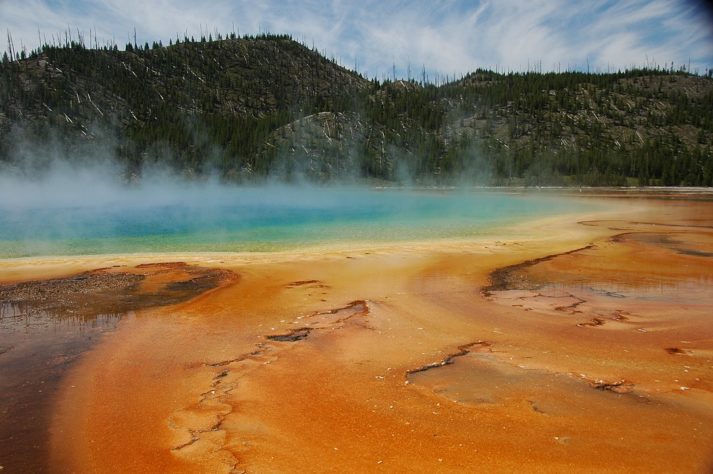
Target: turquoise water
(255, 219)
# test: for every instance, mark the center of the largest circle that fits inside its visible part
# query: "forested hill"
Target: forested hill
(267, 106)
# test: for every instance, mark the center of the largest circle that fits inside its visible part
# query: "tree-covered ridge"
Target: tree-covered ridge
(185, 103)
(254, 106)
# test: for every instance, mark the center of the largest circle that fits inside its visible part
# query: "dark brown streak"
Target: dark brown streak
(571, 308)
(500, 279)
(462, 350)
(240, 358)
(292, 336)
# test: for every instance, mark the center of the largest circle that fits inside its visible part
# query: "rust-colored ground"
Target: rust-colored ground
(413, 359)
(47, 325)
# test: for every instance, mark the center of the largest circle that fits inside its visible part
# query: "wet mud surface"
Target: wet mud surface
(646, 292)
(46, 326)
(619, 280)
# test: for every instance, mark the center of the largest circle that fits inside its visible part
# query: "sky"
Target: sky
(446, 37)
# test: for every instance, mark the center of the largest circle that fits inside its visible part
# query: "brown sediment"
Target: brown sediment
(594, 322)
(677, 351)
(308, 283)
(209, 390)
(292, 336)
(52, 322)
(88, 293)
(301, 283)
(620, 386)
(112, 291)
(355, 307)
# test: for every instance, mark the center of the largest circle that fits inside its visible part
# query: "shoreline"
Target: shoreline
(30, 267)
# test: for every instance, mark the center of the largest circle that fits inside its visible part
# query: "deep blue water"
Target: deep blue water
(256, 219)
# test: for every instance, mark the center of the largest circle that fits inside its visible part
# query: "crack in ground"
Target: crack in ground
(194, 438)
(503, 278)
(463, 350)
(309, 283)
(594, 322)
(571, 308)
(195, 433)
(240, 358)
(620, 386)
(218, 390)
(292, 336)
(360, 307)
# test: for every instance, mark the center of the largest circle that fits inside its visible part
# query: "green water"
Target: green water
(269, 218)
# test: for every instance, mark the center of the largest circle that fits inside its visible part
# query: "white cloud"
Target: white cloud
(448, 37)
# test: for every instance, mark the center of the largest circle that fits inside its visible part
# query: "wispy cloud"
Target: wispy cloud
(445, 37)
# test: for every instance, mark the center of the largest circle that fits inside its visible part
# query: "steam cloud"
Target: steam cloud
(54, 204)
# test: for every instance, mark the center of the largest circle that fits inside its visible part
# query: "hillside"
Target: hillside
(253, 107)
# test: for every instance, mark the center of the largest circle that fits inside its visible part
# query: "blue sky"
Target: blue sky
(446, 37)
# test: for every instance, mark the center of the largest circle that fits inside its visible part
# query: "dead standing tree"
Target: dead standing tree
(10, 46)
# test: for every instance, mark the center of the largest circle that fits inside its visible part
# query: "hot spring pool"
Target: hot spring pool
(218, 218)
